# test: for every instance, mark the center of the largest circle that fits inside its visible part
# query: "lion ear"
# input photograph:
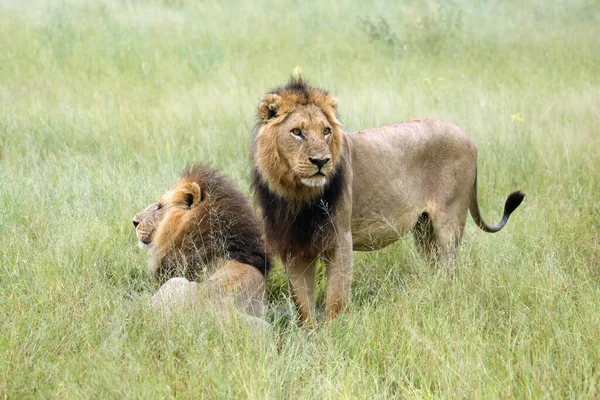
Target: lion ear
(333, 103)
(193, 194)
(329, 105)
(268, 106)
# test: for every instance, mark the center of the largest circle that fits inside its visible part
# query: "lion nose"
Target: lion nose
(135, 223)
(319, 162)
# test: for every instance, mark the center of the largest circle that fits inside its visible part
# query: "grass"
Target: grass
(102, 103)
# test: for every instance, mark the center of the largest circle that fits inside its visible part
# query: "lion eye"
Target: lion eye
(158, 207)
(296, 132)
(327, 131)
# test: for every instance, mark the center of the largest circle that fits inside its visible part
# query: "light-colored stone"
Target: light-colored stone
(177, 294)
(180, 295)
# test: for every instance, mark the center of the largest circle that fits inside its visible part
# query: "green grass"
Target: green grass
(103, 103)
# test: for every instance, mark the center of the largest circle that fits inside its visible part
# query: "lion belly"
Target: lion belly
(401, 171)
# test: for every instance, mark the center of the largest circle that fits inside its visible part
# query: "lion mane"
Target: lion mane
(206, 219)
(297, 222)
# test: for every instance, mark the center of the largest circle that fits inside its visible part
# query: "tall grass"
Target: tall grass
(102, 103)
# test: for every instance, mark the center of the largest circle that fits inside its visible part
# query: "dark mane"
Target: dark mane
(299, 87)
(294, 228)
(300, 231)
(232, 218)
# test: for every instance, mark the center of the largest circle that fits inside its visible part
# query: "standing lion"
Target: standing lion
(324, 192)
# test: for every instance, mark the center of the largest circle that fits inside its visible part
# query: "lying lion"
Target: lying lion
(324, 192)
(205, 230)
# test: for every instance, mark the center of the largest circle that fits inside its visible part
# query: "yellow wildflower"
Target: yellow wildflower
(517, 117)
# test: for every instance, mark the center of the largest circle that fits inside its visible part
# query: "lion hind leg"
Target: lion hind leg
(448, 230)
(437, 238)
(423, 237)
(244, 284)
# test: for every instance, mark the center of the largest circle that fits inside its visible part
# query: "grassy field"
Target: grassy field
(102, 103)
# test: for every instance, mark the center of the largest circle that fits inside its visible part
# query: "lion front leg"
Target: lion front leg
(301, 276)
(339, 263)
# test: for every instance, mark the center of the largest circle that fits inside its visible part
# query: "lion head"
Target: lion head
(203, 218)
(184, 216)
(298, 141)
(146, 222)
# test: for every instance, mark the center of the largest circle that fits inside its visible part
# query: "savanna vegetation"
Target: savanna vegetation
(102, 103)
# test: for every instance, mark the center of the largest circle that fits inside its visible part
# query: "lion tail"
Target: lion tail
(512, 202)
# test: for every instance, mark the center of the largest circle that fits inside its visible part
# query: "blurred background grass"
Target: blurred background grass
(102, 103)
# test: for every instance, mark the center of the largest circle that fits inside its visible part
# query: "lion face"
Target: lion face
(298, 145)
(304, 143)
(146, 222)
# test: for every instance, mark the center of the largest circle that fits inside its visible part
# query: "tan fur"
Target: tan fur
(170, 247)
(145, 223)
(242, 281)
(415, 176)
(276, 153)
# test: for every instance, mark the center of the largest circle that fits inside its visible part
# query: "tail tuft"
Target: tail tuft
(514, 200)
